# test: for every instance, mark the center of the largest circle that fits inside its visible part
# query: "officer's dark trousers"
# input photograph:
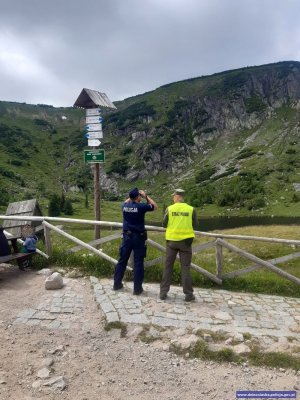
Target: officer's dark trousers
(136, 243)
(184, 248)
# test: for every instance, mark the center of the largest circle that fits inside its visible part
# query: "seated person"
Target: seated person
(29, 245)
(4, 245)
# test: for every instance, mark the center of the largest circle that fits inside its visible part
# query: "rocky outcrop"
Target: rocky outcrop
(224, 106)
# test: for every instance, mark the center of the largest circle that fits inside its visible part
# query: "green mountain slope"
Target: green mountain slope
(40, 148)
(231, 139)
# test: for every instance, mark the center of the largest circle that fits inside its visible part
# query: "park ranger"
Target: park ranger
(180, 219)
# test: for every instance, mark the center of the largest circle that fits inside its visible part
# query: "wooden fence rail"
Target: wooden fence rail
(219, 244)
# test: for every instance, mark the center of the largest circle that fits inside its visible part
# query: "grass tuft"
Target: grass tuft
(117, 325)
(272, 359)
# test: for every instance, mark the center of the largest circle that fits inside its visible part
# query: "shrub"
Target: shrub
(228, 172)
(54, 206)
(240, 190)
(40, 122)
(4, 197)
(208, 130)
(291, 151)
(126, 150)
(68, 208)
(245, 153)
(17, 163)
(254, 104)
(131, 114)
(119, 166)
(295, 198)
(234, 81)
(254, 203)
(62, 202)
(176, 111)
(205, 174)
(86, 200)
(197, 197)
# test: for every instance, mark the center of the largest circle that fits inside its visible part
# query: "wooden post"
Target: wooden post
(219, 261)
(81, 243)
(193, 266)
(48, 240)
(258, 261)
(97, 199)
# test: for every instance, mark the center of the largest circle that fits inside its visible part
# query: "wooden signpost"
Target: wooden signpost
(93, 118)
(92, 100)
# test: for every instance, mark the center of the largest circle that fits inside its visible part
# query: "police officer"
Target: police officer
(134, 237)
(180, 219)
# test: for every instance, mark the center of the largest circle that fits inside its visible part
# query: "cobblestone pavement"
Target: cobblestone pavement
(58, 309)
(259, 315)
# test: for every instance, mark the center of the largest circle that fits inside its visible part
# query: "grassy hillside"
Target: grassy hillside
(231, 139)
(263, 162)
(40, 148)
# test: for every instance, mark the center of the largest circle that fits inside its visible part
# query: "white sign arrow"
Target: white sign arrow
(92, 111)
(94, 142)
(94, 135)
(94, 127)
(93, 120)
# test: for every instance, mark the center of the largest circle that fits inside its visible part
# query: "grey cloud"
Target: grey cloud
(128, 47)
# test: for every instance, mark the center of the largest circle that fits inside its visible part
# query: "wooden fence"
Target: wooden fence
(218, 243)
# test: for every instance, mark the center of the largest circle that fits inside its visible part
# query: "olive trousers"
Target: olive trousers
(184, 248)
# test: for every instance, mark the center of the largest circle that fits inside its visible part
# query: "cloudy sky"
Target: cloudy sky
(50, 50)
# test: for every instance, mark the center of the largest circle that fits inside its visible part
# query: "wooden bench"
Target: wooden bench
(20, 258)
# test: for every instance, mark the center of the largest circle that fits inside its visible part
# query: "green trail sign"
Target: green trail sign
(94, 156)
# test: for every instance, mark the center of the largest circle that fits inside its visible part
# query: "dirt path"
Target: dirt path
(93, 363)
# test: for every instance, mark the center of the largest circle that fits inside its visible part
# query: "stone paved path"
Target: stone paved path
(213, 310)
(58, 309)
(259, 315)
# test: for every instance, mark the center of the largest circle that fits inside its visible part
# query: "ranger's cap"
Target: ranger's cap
(179, 192)
(134, 193)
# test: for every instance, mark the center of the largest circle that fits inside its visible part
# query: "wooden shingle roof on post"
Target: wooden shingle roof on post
(22, 208)
(91, 98)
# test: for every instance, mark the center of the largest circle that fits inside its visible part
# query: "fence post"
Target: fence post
(219, 261)
(48, 240)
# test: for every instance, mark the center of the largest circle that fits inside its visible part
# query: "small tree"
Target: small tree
(54, 206)
(86, 200)
(68, 209)
(295, 198)
(4, 197)
(62, 202)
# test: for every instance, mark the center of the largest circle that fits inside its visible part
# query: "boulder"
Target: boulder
(241, 349)
(54, 281)
(56, 383)
(185, 343)
(44, 272)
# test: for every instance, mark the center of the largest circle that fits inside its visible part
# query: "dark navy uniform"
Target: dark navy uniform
(134, 237)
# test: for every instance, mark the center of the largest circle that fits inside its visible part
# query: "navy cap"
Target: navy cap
(134, 193)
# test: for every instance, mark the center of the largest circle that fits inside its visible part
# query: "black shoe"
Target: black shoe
(138, 292)
(118, 287)
(163, 296)
(190, 297)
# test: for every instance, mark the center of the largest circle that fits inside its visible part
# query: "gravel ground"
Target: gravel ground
(86, 362)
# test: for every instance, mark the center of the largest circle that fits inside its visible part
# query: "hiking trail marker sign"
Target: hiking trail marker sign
(94, 156)
(93, 101)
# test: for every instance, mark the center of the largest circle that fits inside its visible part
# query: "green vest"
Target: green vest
(180, 222)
